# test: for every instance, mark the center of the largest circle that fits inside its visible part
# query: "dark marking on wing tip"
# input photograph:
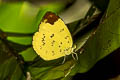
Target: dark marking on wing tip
(50, 17)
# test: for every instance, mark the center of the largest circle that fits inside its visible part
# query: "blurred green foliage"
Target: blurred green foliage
(19, 21)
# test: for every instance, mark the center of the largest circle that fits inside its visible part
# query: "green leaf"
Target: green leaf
(21, 40)
(7, 68)
(28, 54)
(17, 17)
(82, 40)
(51, 72)
(37, 72)
(18, 74)
(105, 41)
(55, 7)
(4, 55)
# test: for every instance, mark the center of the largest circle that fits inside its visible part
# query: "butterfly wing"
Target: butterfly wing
(53, 39)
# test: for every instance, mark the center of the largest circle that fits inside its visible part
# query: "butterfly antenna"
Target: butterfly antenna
(64, 60)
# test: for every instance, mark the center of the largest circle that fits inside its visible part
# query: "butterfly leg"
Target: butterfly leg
(64, 60)
(75, 56)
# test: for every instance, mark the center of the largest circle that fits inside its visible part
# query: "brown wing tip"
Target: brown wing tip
(50, 17)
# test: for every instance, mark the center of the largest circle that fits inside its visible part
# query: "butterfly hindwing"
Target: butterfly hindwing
(53, 40)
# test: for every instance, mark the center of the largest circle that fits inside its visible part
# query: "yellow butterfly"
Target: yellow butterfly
(53, 40)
